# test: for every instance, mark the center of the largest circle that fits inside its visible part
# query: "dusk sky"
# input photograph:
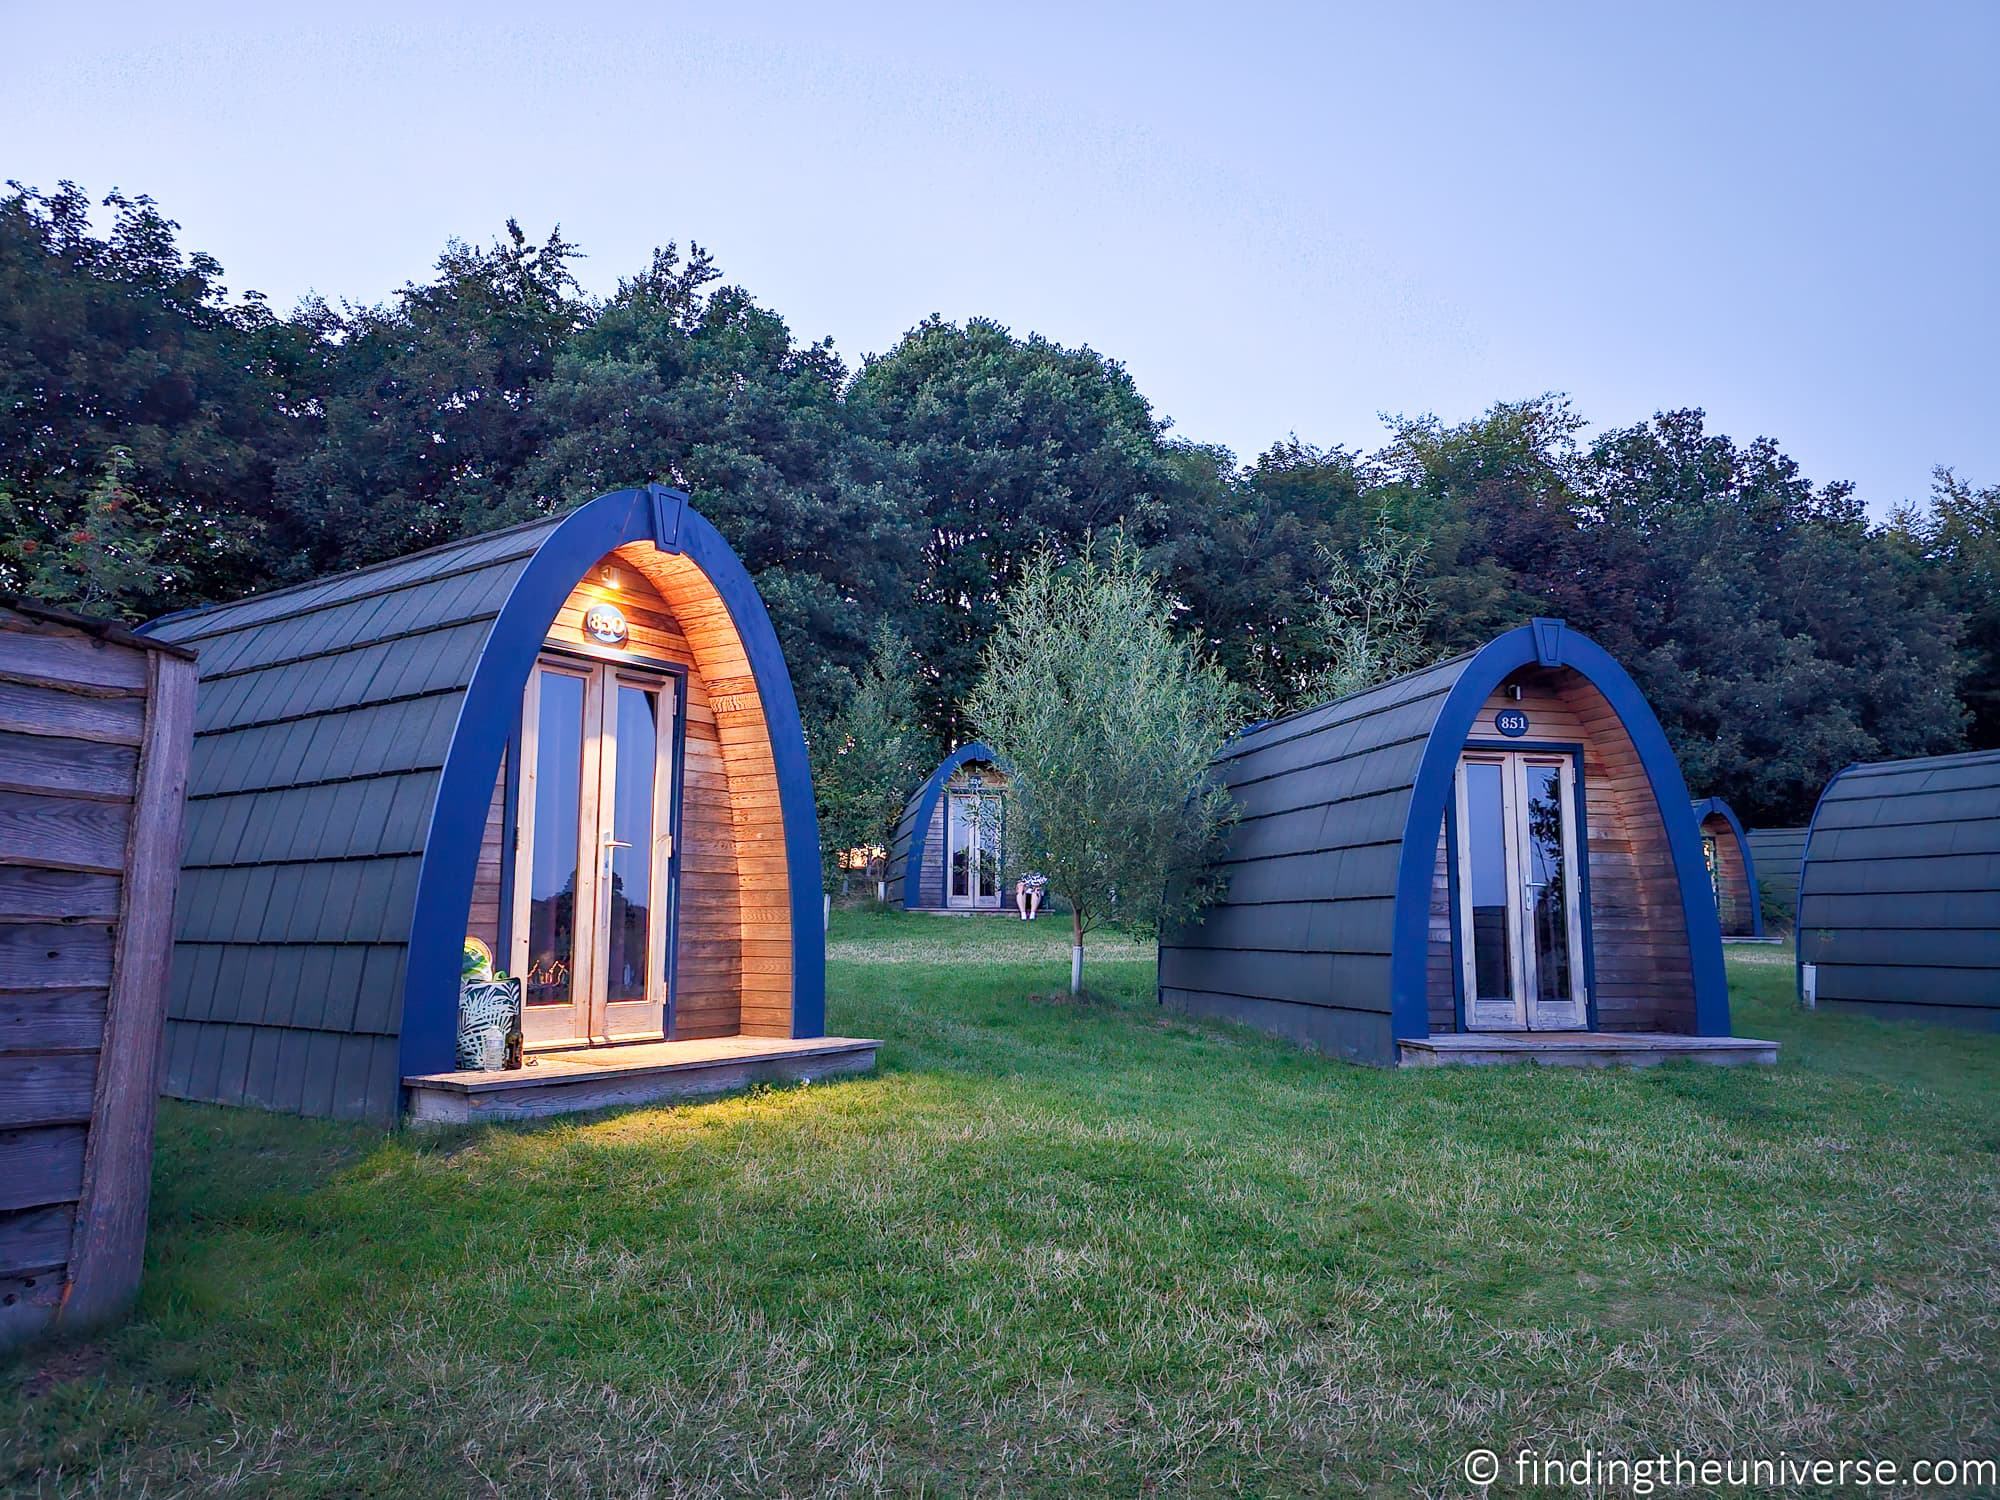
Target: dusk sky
(1282, 219)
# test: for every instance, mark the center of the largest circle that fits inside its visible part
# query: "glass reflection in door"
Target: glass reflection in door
(630, 844)
(973, 835)
(1547, 883)
(591, 871)
(1485, 870)
(1519, 906)
(556, 791)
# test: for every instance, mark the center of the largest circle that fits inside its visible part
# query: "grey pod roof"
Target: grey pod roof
(322, 724)
(1899, 894)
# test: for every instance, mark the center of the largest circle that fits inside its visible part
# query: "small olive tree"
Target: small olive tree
(1375, 610)
(1107, 720)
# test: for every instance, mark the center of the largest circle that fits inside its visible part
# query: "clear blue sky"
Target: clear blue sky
(1281, 218)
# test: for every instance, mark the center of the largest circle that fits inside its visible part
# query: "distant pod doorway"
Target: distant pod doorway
(1732, 870)
(949, 850)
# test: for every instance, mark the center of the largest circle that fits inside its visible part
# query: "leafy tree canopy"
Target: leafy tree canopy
(165, 442)
(1107, 718)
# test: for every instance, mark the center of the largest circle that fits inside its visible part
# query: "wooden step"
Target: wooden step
(587, 1078)
(1582, 1049)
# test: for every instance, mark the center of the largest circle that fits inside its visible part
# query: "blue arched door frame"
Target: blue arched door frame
(1546, 643)
(664, 518)
(927, 801)
(1715, 806)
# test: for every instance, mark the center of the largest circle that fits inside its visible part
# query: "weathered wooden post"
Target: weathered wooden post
(95, 728)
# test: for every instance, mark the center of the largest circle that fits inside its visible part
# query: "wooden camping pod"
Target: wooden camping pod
(921, 850)
(1349, 922)
(357, 805)
(1732, 868)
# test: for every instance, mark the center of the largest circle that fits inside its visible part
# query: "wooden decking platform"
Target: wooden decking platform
(584, 1078)
(1582, 1049)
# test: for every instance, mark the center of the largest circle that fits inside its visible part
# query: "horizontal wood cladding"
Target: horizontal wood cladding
(733, 917)
(1735, 901)
(706, 991)
(1899, 893)
(94, 733)
(1644, 974)
(489, 878)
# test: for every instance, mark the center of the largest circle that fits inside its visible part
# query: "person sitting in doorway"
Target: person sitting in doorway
(1028, 892)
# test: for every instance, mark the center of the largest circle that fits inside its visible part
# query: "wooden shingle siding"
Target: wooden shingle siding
(1899, 894)
(899, 855)
(1736, 903)
(707, 996)
(93, 770)
(325, 716)
(1301, 943)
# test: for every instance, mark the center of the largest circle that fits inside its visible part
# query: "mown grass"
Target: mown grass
(1063, 1248)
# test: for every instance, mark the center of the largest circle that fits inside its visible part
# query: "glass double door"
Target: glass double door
(593, 841)
(1520, 919)
(972, 850)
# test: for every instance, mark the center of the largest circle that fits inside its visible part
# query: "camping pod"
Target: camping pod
(571, 745)
(1732, 870)
(1899, 892)
(1491, 858)
(948, 853)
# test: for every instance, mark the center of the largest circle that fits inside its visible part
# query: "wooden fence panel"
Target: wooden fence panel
(95, 730)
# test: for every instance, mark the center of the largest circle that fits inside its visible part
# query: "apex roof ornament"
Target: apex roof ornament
(668, 507)
(1548, 641)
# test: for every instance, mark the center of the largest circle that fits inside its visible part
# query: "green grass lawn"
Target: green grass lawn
(1063, 1248)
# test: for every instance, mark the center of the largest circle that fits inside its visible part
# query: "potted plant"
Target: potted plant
(489, 1013)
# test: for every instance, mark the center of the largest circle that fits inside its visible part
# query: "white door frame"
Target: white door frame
(1523, 959)
(975, 848)
(591, 1017)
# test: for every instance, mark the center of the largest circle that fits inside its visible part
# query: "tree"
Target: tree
(1955, 548)
(1777, 636)
(867, 759)
(1107, 719)
(431, 404)
(1009, 446)
(105, 561)
(1244, 556)
(1374, 613)
(678, 380)
(121, 341)
(1495, 498)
